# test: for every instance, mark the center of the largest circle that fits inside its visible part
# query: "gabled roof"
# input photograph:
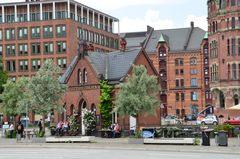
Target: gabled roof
(111, 66)
(69, 70)
(177, 39)
(134, 39)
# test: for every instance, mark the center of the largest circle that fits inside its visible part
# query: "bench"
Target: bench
(29, 133)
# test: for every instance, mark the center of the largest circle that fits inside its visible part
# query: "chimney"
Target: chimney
(192, 24)
(123, 44)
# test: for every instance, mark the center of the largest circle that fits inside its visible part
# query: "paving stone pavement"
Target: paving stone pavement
(122, 143)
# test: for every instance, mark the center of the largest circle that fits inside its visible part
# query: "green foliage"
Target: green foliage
(3, 76)
(13, 95)
(41, 134)
(225, 127)
(106, 103)
(196, 141)
(138, 134)
(46, 90)
(138, 94)
(73, 126)
(89, 120)
(13, 135)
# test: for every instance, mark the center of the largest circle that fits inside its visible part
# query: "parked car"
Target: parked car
(191, 117)
(210, 119)
(235, 121)
(171, 119)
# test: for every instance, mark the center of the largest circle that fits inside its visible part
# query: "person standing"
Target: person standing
(40, 125)
(20, 130)
(11, 129)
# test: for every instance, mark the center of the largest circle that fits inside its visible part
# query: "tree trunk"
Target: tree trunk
(43, 124)
(137, 126)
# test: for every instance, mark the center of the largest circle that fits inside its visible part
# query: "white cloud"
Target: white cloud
(199, 21)
(151, 18)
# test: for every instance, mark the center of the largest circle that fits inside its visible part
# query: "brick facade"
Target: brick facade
(90, 92)
(224, 46)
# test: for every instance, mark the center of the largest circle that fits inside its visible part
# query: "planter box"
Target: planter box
(170, 141)
(77, 139)
(135, 140)
(38, 140)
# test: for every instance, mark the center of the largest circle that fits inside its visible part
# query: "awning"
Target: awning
(235, 107)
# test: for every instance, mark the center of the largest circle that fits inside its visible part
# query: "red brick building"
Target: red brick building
(181, 58)
(35, 30)
(87, 69)
(224, 46)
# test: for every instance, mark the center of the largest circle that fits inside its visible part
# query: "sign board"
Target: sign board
(5, 126)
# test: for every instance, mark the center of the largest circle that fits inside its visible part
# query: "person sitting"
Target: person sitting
(59, 128)
(65, 128)
(116, 131)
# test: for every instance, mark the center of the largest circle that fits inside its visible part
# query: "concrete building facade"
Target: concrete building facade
(35, 30)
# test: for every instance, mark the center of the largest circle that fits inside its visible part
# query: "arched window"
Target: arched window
(205, 47)
(179, 62)
(94, 109)
(79, 77)
(222, 100)
(229, 71)
(71, 110)
(236, 99)
(162, 51)
(84, 75)
(194, 96)
(193, 61)
(234, 71)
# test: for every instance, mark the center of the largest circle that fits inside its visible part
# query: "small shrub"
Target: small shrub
(41, 134)
(138, 134)
(196, 141)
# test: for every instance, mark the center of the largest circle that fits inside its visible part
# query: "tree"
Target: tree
(45, 90)
(106, 103)
(138, 94)
(12, 95)
(3, 76)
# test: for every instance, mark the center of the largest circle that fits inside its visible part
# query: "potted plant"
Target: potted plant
(89, 121)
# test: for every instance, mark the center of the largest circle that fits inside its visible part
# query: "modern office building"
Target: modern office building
(181, 58)
(224, 46)
(35, 30)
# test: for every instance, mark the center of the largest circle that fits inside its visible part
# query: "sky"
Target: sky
(135, 15)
